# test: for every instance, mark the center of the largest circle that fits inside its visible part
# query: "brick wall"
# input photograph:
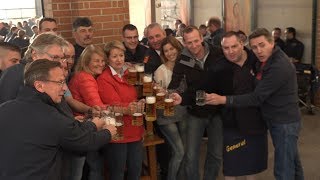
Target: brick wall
(108, 16)
(317, 98)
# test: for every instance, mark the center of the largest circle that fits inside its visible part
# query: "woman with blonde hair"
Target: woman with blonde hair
(126, 153)
(84, 88)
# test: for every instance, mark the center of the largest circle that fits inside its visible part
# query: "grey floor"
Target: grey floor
(309, 147)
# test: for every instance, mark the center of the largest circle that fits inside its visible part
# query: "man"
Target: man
(293, 47)
(241, 126)
(45, 46)
(276, 34)
(214, 25)
(177, 22)
(27, 28)
(203, 30)
(276, 94)
(196, 58)
(83, 35)
(33, 139)
(9, 56)
(3, 31)
(134, 51)
(48, 25)
(152, 59)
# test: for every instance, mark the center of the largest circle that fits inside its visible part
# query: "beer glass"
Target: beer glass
(168, 106)
(132, 75)
(137, 114)
(140, 72)
(147, 85)
(200, 97)
(150, 114)
(118, 116)
(160, 96)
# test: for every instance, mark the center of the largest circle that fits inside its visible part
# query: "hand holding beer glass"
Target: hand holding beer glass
(137, 113)
(200, 98)
(168, 105)
(147, 85)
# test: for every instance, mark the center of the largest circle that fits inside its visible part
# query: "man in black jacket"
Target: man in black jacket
(276, 95)
(243, 128)
(196, 58)
(33, 138)
(293, 47)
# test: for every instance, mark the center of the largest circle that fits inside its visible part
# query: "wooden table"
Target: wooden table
(150, 143)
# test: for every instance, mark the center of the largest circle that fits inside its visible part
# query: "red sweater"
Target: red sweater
(84, 88)
(113, 89)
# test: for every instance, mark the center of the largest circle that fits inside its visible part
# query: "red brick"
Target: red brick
(65, 27)
(65, 20)
(89, 12)
(97, 26)
(54, 7)
(115, 18)
(108, 25)
(61, 13)
(60, 1)
(120, 4)
(115, 10)
(97, 40)
(114, 4)
(86, 5)
(107, 32)
(100, 5)
(64, 6)
(101, 18)
(77, 5)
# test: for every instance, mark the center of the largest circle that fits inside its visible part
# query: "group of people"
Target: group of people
(47, 97)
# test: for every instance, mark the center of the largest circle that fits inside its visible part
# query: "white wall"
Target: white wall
(286, 13)
(204, 9)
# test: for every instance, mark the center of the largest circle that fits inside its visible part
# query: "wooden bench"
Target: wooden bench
(150, 143)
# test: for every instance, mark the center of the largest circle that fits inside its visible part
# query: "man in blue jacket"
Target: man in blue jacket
(276, 94)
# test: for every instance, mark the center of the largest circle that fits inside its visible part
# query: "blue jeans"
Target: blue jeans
(174, 134)
(122, 156)
(287, 163)
(195, 130)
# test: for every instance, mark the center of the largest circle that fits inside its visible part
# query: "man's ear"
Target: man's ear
(39, 86)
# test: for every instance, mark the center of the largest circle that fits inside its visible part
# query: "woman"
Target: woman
(84, 88)
(173, 128)
(125, 154)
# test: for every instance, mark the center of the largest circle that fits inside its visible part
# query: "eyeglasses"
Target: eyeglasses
(70, 59)
(60, 83)
(57, 58)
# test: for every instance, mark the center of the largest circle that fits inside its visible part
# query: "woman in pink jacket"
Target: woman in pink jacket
(84, 88)
(114, 89)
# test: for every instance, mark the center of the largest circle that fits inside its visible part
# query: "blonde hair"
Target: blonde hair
(85, 58)
(113, 45)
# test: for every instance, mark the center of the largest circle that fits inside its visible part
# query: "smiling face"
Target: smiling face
(262, 48)
(52, 87)
(96, 64)
(193, 42)
(155, 37)
(131, 39)
(232, 48)
(116, 59)
(170, 52)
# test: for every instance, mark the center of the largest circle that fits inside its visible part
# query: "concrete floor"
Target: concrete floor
(309, 147)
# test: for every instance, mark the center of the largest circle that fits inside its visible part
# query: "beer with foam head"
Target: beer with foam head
(151, 108)
(147, 85)
(132, 76)
(140, 72)
(137, 119)
(160, 96)
(119, 126)
(168, 107)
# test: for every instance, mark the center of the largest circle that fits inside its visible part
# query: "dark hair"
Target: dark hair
(291, 30)
(276, 29)
(130, 27)
(174, 42)
(231, 33)
(261, 32)
(46, 19)
(81, 21)
(202, 26)
(215, 21)
(5, 46)
(189, 29)
(178, 20)
(38, 71)
(168, 31)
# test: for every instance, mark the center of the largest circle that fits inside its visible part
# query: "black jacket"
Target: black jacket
(294, 48)
(151, 60)
(276, 93)
(32, 140)
(248, 120)
(195, 78)
(138, 56)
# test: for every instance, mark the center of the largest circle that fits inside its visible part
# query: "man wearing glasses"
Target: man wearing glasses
(34, 138)
(134, 51)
